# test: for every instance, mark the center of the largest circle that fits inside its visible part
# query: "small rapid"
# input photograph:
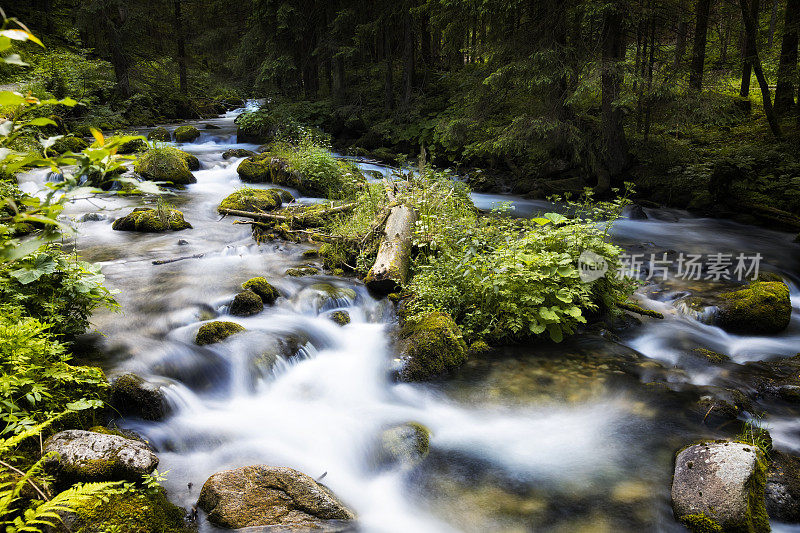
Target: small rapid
(538, 437)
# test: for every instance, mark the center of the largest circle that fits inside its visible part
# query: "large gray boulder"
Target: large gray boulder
(260, 495)
(719, 486)
(79, 455)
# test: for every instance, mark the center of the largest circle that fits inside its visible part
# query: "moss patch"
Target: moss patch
(700, 523)
(237, 152)
(711, 356)
(246, 303)
(248, 199)
(216, 331)
(433, 346)
(762, 308)
(151, 221)
(166, 164)
(186, 134)
(133, 512)
(159, 134)
(69, 144)
(262, 288)
(340, 317)
(302, 271)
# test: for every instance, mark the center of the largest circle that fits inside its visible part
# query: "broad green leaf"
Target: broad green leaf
(11, 98)
(21, 35)
(42, 121)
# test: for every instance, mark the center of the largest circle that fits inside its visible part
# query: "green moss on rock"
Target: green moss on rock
(408, 443)
(762, 308)
(148, 220)
(186, 134)
(132, 146)
(340, 317)
(432, 346)
(700, 523)
(246, 303)
(237, 152)
(69, 144)
(711, 356)
(302, 271)
(248, 199)
(167, 164)
(159, 134)
(262, 288)
(136, 511)
(133, 396)
(191, 160)
(216, 331)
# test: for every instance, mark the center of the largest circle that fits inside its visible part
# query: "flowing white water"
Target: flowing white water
(249, 401)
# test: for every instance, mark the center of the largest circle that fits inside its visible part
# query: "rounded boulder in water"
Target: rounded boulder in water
(246, 303)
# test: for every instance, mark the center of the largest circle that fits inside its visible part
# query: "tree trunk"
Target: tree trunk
(773, 22)
(115, 17)
(338, 78)
(390, 271)
(702, 12)
(755, 61)
(680, 44)
(750, 44)
(614, 157)
(389, 79)
(787, 67)
(408, 57)
(179, 33)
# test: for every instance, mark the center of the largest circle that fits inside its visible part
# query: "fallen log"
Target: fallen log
(390, 270)
(168, 261)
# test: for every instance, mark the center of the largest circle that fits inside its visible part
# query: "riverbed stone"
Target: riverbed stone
(133, 396)
(237, 152)
(166, 164)
(783, 487)
(261, 495)
(762, 308)
(148, 220)
(69, 143)
(246, 303)
(216, 331)
(262, 288)
(186, 134)
(407, 444)
(719, 486)
(160, 134)
(431, 346)
(340, 317)
(86, 456)
(258, 200)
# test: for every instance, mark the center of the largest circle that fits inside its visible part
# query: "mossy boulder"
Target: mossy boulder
(133, 396)
(248, 199)
(186, 134)
(191, 160)
(246, 303)
(69, 144)
(216, 331)
(132, 146)
(160, 134)
(432, 346)
(783, 487)
(136, 511)
(148, 220)
(262, 496)
(762, 308)
(167, 164)
(86, 456)
(404, 444)
(269, 168)
(262, 288)
(340, 317)
(237, 152)
(719, 486)
(711, 356)
(299, 272)
(254, 170)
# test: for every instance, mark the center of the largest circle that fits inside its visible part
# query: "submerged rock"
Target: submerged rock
(762, 308)
(258, 496)
(83, 456)
(69, 144)
(186, 134)
(432, 346)
(340, 317)
(167, 164)
(246, 303)
(133, 396)
(406, 444)
(216, 331)
(712, 357)
(151, 221)
(237, 152)
(302, 271)
(257, 200)
(783, 487)
(159, 134)
(719, 486)
(262, 288)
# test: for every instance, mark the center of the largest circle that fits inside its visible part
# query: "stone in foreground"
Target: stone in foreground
(260, 495)
(88, 456)
(719, 486)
